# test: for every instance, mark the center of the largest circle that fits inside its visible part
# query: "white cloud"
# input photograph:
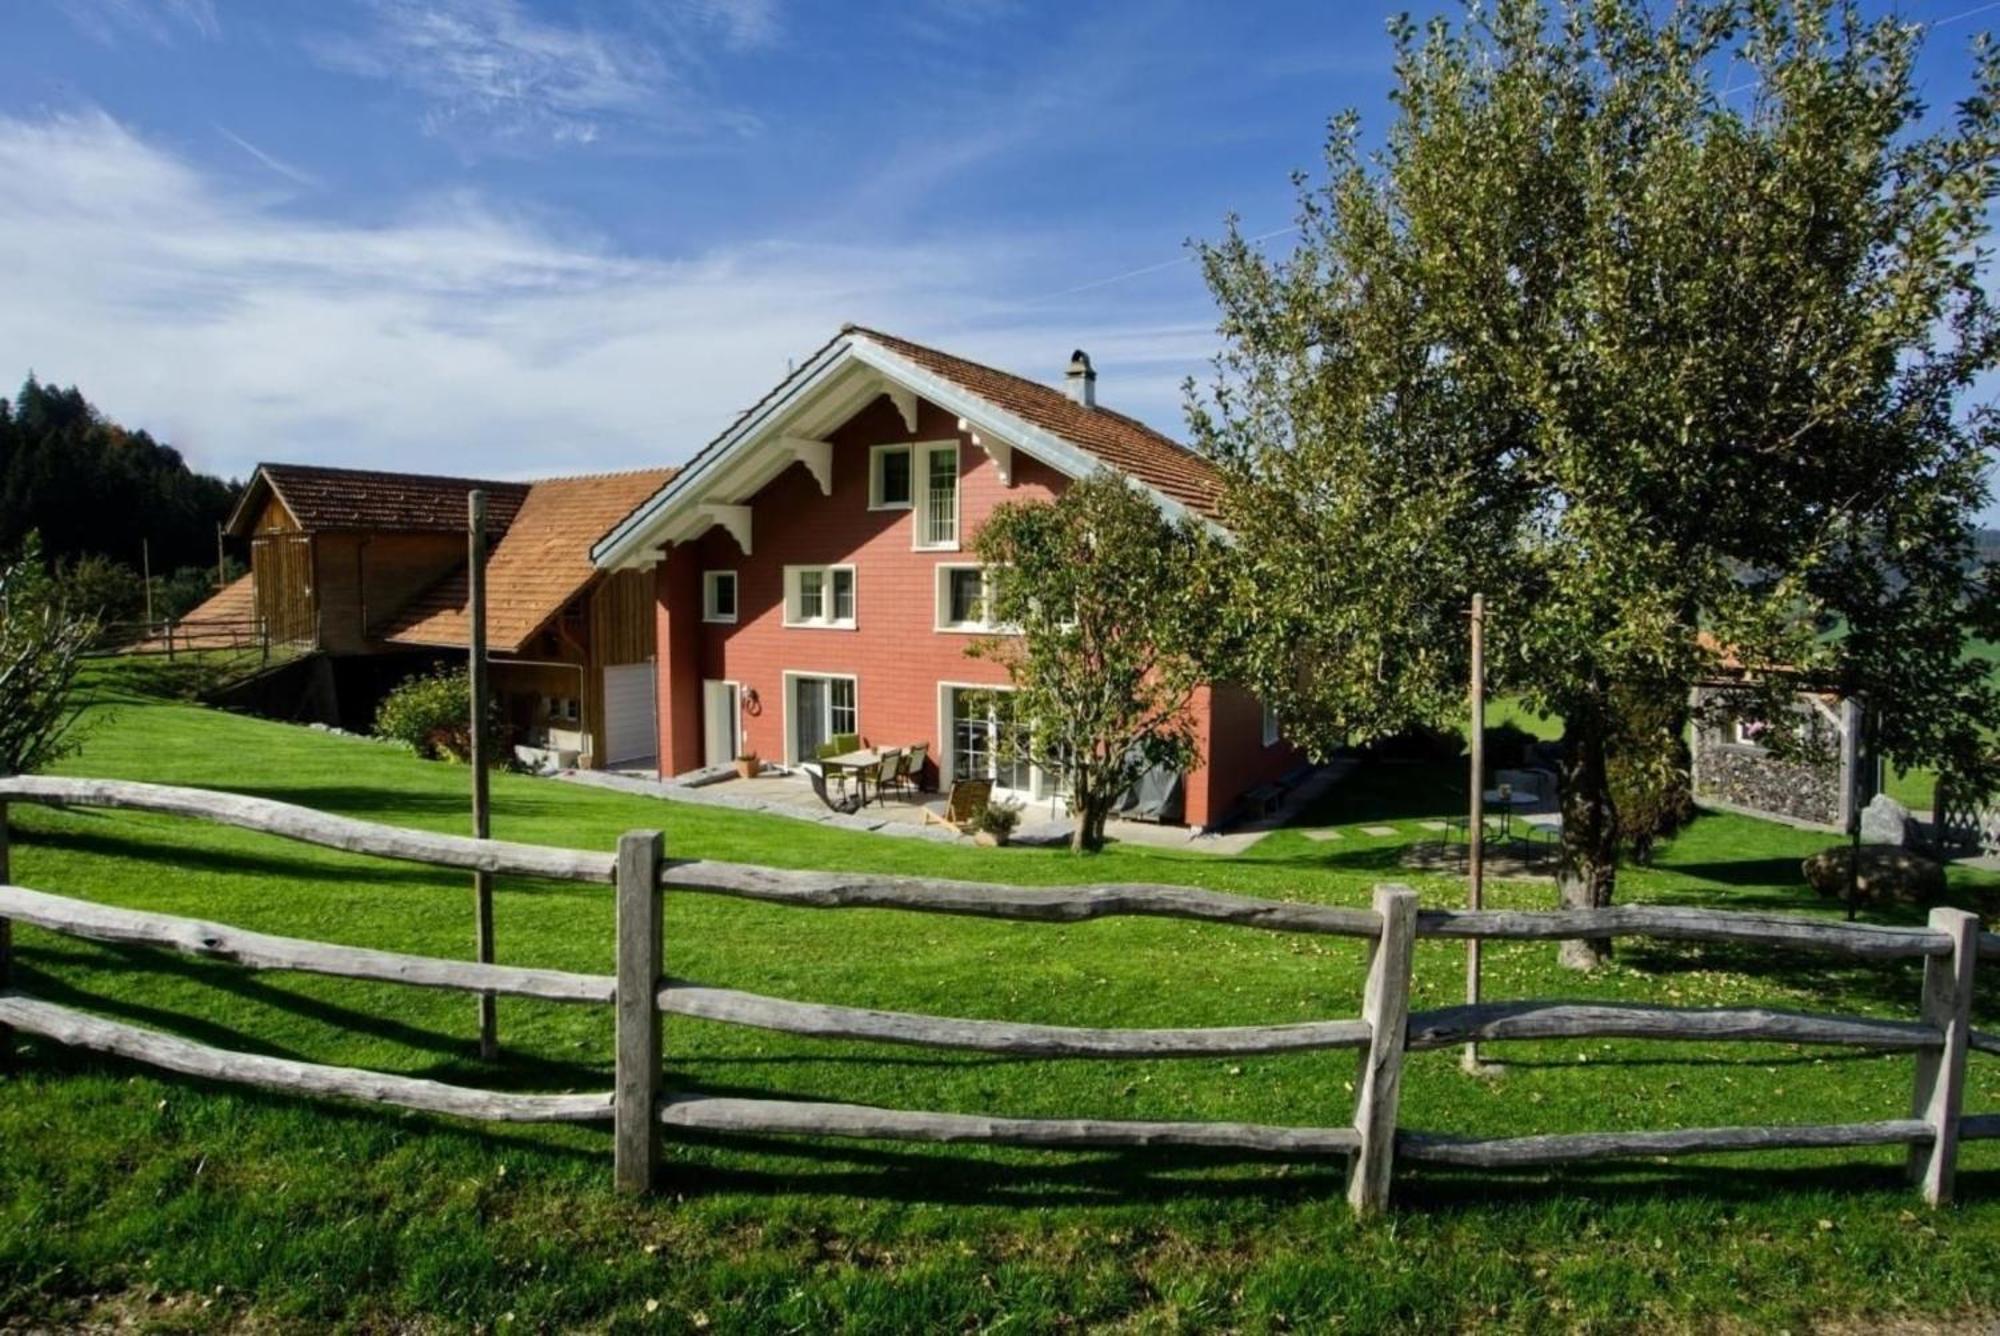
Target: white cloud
(107, 21)
(490, 71)
(458, 338)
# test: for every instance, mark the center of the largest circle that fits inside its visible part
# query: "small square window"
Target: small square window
(889, 478)
(718, 596)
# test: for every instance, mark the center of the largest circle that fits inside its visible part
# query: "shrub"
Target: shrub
(429, 714)
(41, 646)
(998, 819)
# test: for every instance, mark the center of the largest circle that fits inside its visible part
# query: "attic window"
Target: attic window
(889, 477)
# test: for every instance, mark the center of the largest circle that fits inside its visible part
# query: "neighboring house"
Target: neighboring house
(814, 573)
(571, 647)
(368, 571)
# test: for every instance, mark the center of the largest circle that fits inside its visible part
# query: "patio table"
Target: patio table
(1508, 804)
(855, 763)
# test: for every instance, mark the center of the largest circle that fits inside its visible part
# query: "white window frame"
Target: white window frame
(709, 581)
(920, 495)
(875, 455)
(789, 685)
(826, 621)
(1272, 735)
(942, 620)
(1042, 786)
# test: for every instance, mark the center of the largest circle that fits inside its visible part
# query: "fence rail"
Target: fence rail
(641, 992)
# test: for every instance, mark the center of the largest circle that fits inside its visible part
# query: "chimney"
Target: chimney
(1080, 382)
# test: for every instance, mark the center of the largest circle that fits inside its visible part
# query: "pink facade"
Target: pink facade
(779, 678)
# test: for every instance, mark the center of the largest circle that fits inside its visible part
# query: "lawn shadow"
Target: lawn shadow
(109, 843)
(1445, 1190)
(456, 1055)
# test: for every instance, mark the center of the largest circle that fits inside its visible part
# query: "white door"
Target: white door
(631, 727)
(721, 722)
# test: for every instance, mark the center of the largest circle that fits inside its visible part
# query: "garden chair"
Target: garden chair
(910, 774)
(961, 807)
(844, 802)
(882, 774)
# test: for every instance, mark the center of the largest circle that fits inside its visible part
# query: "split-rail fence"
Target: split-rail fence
(640, 991)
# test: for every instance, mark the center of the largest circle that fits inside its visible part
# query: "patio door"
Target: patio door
(820, 709)
(987, 742)
(721, 722)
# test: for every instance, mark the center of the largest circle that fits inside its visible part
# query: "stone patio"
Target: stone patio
(901, 815)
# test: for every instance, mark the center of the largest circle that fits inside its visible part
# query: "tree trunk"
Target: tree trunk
(1587, 872)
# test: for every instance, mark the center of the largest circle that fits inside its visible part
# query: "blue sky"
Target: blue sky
(511, 237)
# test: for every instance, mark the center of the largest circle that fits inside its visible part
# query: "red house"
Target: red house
(813, 568)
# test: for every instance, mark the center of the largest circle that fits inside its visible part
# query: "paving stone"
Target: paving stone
(1380, 832)
(1433, 825)
(1327, 834)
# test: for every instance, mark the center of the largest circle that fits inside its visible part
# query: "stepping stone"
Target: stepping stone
(1325, 834)
(1380, 832)
(1433, 825)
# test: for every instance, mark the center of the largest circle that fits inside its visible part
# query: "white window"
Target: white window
(820, 709)
(821, 596)
(889, 477)
(961, 599)
(718, 596)
(937, 498)
(1270, 725)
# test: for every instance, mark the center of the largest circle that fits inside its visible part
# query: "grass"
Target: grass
(128, 1197)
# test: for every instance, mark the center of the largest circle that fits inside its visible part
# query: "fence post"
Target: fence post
(1940, 1093)
(636, 1089)
(6, 941)
(1386, 1007)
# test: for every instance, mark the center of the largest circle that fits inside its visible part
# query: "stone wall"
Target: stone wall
(1750, 777)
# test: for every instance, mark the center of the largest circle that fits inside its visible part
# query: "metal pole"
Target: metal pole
(1475, 830)
(482, 882)
(221, 560)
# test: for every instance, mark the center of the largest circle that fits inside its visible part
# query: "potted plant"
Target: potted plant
(747, 765)
(994, 825)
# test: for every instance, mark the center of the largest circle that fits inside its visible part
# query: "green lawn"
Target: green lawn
(126, 1197)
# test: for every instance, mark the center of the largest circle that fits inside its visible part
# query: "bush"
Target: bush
(998, 819)
(41, 647)
(429, 714)
(1508, 746)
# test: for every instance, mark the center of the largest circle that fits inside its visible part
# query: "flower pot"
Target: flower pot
(747, 767)
(987, 839)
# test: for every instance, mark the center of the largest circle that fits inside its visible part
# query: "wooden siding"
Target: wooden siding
(363, 579)
(281, 568)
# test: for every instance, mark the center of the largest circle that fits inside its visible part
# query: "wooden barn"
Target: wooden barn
(367, 570)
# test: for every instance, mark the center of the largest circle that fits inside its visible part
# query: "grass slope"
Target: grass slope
(129, 1197)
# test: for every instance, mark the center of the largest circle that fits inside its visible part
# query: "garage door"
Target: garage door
(631, 736)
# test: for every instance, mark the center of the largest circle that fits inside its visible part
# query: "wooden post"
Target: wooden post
(1940, 1092)
(221, 560)
(482, 822)
(636, 1085)
(1475, 830)
(1386, 1007)
(6, 940)
(170, 639)
(146, 575)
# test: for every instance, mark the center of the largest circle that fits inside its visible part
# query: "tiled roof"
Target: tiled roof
(541, 564)
(322, 499)
(226, 619)
(1124, 443)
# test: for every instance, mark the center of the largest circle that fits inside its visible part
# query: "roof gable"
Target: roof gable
(331, 499)
(860, 364)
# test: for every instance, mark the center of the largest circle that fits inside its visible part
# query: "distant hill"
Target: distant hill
(91, 487)
(1988, 544)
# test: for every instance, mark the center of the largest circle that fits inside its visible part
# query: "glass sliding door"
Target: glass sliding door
(822, 708)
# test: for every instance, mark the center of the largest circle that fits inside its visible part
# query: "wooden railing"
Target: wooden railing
(641, 991)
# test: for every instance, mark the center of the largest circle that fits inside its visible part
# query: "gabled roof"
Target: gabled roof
(329, 499)
(541, 563)
(1124, 443)
(226, 619)
(1003, 411)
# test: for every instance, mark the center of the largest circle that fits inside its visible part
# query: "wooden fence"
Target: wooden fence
(640, 1110)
